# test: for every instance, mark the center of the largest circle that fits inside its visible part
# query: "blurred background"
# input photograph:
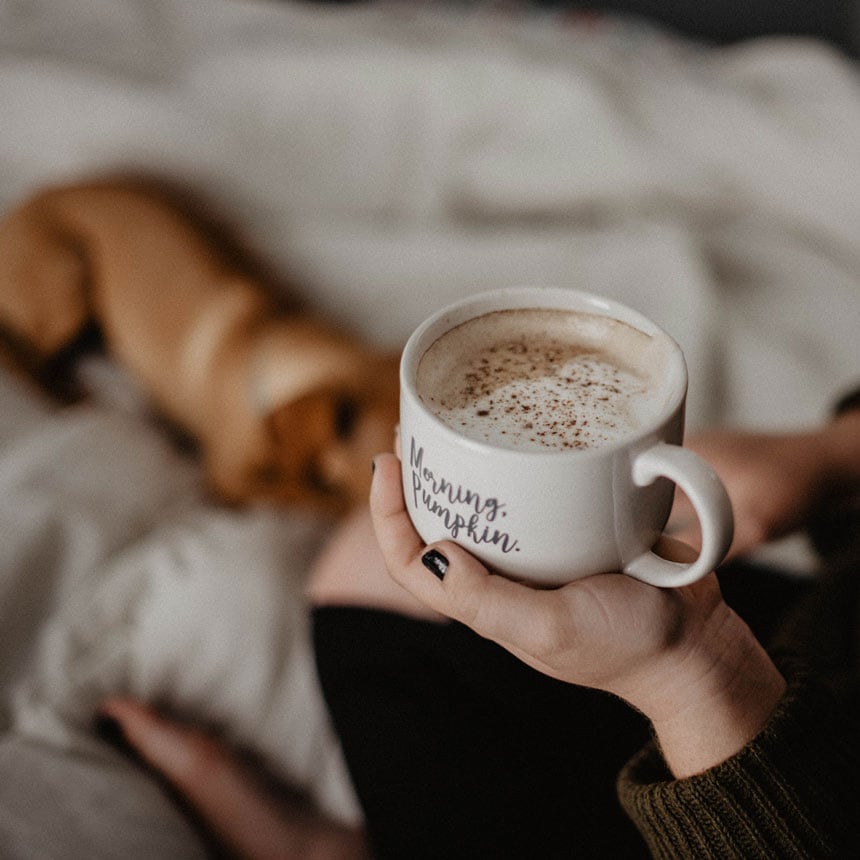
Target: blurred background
(697, 161)
(391, 156)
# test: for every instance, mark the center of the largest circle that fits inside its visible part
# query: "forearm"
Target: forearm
(793, 790)
(790, 792)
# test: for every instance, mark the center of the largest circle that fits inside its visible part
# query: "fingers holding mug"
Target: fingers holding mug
(409, 560)
(460, 587)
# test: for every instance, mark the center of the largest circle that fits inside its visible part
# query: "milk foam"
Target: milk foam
(539, 379)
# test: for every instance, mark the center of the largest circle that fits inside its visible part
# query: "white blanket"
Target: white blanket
(389, 158)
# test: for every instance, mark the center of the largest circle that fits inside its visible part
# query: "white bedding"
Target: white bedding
(389, 158)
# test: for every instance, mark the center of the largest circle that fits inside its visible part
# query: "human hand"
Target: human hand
(681, 656)
(250, 820)
(775, 481)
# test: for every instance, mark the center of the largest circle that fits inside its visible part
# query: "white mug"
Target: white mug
(551, 516)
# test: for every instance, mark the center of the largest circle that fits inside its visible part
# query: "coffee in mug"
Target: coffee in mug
(538, 379)
(541, 429)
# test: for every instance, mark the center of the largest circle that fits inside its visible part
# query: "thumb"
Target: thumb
(451, 581)
(468, 592)
(443, 575)
(512, 614)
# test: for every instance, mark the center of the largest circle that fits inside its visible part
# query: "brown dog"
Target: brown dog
(284, 407)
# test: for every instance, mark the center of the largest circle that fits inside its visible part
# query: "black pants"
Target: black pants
(458, 750)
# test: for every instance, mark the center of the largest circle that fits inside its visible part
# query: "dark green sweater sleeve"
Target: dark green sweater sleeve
(792, 792)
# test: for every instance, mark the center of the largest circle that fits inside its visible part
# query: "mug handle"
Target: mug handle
(710, 501)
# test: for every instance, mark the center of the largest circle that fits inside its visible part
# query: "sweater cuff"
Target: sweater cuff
(791, 792)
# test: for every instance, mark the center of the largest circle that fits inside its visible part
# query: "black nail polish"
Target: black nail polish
(108, 729)
(435, 562)
(111, 732)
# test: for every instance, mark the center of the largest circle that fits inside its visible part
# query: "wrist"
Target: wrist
(717, 695)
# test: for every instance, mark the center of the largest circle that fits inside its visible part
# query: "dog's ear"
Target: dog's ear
(324, 442)
(280, 462)
(316, 450)
(302, 434)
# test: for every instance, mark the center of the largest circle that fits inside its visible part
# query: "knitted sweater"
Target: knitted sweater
(794, 790)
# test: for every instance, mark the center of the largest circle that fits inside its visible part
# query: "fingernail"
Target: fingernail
(435, 562)
(111, 732)
(108, 729)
